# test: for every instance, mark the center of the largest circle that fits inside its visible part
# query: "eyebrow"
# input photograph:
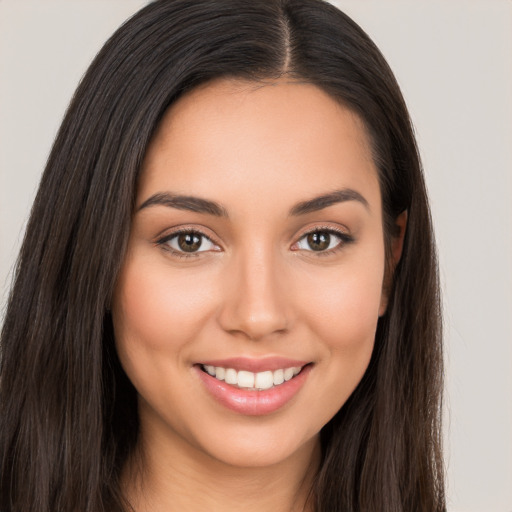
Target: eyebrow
(180, 202)
(200, 205)
(326, 200)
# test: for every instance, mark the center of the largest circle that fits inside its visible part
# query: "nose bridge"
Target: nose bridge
(256, 303)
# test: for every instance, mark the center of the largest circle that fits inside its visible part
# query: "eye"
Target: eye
(323, 240)
(188, 242)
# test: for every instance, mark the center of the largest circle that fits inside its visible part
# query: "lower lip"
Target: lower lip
(253, 403)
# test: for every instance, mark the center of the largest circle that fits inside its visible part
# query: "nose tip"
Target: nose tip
(256, 325)
(255, 304)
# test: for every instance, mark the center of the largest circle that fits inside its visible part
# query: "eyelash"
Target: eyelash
(344, 239)
(182, 254)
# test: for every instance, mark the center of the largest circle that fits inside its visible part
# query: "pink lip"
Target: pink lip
(253, 403)
(255, 365)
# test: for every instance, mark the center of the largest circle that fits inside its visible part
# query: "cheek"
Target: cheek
(344, 305)
(343, 315)
(158, 308)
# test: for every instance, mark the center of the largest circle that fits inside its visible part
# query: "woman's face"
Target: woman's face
(256, 248)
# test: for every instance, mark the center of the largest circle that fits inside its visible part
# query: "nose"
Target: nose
(255, 303)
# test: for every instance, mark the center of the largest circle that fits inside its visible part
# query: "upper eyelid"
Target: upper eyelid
(342, 235)
(174, 234)
(161, 239)
(323, 228)
(166, 235)
(200, 231)
(329, 229)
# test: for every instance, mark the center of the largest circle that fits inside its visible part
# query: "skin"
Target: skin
(256, 290)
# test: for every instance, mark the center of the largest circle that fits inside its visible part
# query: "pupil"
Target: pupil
(189, 242)
(319, 241)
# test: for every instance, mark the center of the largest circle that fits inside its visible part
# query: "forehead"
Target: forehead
(282, 138)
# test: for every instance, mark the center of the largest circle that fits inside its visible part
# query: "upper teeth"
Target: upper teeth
(250, 380)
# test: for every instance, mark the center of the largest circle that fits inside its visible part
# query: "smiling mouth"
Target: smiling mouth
(251, 381)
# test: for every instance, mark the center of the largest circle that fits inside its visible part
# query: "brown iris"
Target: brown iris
(319, 240)
(189, 242)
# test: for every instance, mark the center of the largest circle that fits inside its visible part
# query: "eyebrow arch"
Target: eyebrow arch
(323, 201)
(181, 202)
(200, 205)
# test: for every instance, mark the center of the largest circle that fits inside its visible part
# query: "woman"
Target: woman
(227, 294)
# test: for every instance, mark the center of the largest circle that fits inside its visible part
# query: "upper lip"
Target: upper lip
(255, 365)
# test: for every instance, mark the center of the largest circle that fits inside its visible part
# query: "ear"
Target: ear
(397, 245)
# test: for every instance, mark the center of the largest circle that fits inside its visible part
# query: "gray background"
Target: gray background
(453, 61)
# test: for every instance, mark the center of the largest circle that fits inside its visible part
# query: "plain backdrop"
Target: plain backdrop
(453, 60)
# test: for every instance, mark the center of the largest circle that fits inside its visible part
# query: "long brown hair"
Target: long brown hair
(68, 417)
